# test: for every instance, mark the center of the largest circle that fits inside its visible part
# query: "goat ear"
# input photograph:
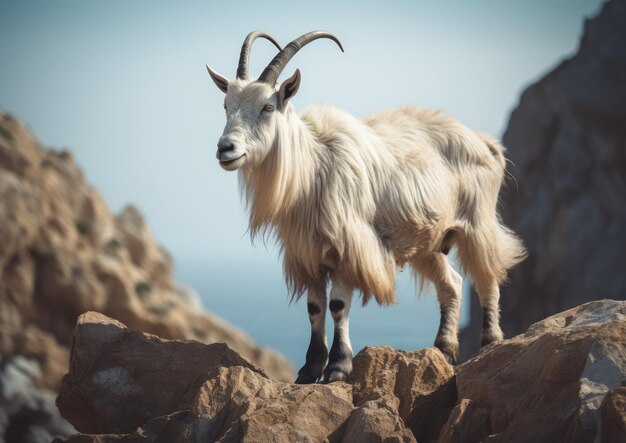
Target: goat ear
(288, 89)
(221, 82)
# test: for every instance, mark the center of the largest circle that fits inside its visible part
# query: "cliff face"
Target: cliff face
(63, 253)
(567, 144)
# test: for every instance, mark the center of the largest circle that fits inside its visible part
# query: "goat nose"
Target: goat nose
(225, 146)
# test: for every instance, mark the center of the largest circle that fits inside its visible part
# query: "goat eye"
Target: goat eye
(268, 108)
(224, 106)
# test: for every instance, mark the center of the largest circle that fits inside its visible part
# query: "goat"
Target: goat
(351, 199)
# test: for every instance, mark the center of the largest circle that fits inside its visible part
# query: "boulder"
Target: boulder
(382, 370)
(116, 380)
(239, 405)
(547, 384)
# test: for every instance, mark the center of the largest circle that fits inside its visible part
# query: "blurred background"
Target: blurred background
(122, 85)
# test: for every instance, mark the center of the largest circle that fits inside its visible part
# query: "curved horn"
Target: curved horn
(242, 69)
(276, 66)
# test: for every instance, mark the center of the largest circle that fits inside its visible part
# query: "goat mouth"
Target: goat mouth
(230, 162)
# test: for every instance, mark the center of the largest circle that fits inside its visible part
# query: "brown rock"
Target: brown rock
(171, 428)
(555, 377)
(237, 404)
(614, 416)
(466, 423)
(549, 384)
(375, 421)
(430, 412)
(119, 379)
(125, 385)
(380, 371)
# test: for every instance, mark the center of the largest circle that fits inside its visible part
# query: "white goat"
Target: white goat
(350, 199)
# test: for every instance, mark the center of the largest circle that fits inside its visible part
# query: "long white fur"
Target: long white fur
(357, 197)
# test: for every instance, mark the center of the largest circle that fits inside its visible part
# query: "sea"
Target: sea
(252, 295)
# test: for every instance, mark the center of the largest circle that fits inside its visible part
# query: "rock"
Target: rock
(129, 386)
(380, 371)
(562, 380)
(239, 405)
(119, 378)
(466, 423)
(565, 140)
(614, 416)
(63, 253)
(389, 387)
(555, 377)
(375, 421)
(430, 412)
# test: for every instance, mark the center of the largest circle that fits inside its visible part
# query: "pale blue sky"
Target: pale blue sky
(123, 85)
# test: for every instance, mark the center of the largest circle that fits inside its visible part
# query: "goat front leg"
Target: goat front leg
(340, 358)
(317, 353)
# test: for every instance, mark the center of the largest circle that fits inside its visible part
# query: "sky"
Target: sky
(123, 85)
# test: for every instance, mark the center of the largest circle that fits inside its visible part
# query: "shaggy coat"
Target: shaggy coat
(359, 197)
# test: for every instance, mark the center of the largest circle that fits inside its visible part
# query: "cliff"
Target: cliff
(566, 142)
(63, 253)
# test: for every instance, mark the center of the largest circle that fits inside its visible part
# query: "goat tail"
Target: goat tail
(488, 252)
(509, 251)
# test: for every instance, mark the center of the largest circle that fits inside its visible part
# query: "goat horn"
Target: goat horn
(276, 66)
(242, 69)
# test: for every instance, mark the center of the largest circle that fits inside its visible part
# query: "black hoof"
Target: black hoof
(338, 370)
(305, 379)
(450, 358)
(488, 337)
(332, 376)
(450, 351)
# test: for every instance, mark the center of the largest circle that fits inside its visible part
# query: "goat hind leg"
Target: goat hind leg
(489, 296)
(448, 284)
(317, 353)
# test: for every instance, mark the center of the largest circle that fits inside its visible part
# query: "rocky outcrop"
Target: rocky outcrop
(112, 387)
(127, 388)
(560, 381)
(63, 253)
(566, 143)
(555, 376)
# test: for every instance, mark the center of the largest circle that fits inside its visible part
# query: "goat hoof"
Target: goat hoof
(332, 376)
(450, 358)
(488, 337)
(450, 351)
(305, 379)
